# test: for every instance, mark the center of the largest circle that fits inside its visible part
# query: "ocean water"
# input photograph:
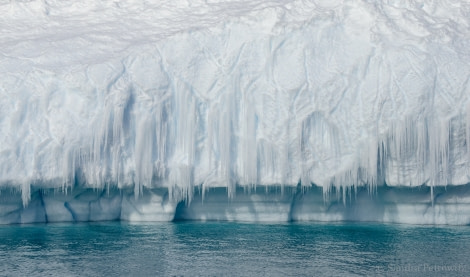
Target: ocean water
(233, 249)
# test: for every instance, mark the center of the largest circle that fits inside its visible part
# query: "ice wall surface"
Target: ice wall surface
(174, 96)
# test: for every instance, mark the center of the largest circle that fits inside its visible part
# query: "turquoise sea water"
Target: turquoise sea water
(235, 249)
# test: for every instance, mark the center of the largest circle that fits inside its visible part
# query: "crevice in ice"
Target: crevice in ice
(41, 199)
(70, 210)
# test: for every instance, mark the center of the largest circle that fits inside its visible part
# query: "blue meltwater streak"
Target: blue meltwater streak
(236, 249)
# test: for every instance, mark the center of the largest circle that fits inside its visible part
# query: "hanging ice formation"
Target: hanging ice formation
(342, 95)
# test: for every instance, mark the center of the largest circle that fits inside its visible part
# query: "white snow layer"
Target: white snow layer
(178, 95)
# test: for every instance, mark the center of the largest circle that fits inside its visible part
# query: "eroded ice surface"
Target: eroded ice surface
(410, 205)
(181, 94)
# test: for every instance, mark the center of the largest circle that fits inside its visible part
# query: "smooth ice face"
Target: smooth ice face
(182, 94)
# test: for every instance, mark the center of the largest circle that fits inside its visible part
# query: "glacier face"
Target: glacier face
(181, 96)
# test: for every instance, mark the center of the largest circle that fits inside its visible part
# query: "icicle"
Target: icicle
(225, 144)
(421, 150)
(467, 132)
(25, 193)
(248, 146)
(432, 195)
(372, 163)
(143, 155)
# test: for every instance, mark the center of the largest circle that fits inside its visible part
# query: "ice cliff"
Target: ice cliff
(130, 104)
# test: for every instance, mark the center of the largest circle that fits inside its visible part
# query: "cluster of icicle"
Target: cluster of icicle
(179, 148)
(345, 95)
